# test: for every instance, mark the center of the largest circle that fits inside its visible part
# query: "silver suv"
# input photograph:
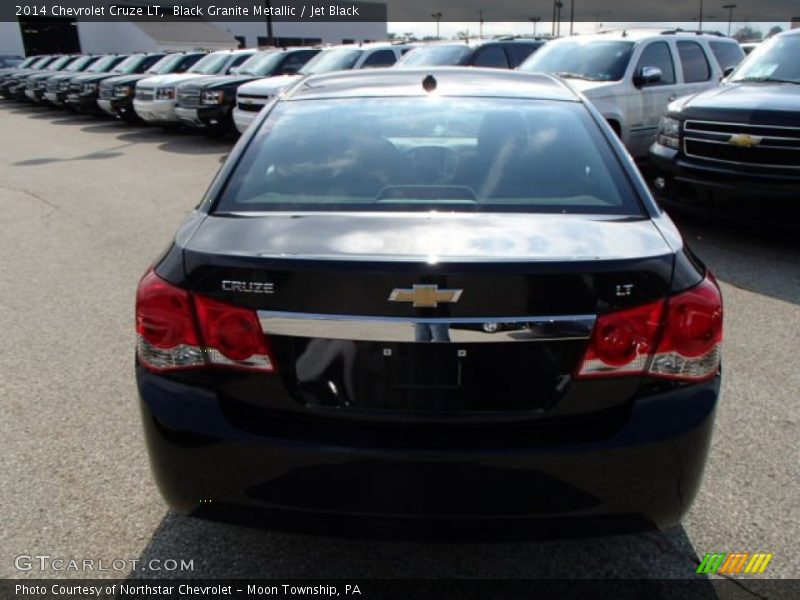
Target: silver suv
(631, 76)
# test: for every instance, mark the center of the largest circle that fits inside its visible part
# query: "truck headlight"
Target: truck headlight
(165, 93)
(215, 97)
(669, 133)
(63, 86)
(123, 91)
(89, 87)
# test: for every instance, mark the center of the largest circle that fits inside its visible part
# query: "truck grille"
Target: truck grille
(76, 87)
(251, 103)
(146, 94)
(52, 86)
(189, 98)
(106, 92)
(750, 145)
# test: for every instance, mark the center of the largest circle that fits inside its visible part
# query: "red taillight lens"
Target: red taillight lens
(690, 346)
(678, 338)
(168, 336)
(232, 335)
(622, 341)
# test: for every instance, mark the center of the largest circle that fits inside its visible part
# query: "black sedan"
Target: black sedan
(301, 359)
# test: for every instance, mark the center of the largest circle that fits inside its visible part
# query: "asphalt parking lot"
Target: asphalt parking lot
(86, 204)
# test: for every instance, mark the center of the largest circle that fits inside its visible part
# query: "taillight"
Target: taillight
(677, 338)
(232, 335)
(180, 330)
(690, 347)
(623, 341)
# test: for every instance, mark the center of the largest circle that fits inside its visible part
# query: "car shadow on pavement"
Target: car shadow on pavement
(229, 551)
(107, 153)
(755, 258)
(180, 141)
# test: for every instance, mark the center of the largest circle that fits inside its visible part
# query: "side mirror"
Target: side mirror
(727, 72)
(647, 76)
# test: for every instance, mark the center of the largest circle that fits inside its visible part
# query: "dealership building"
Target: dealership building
(49, 35)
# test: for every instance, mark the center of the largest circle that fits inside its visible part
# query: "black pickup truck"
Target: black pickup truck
(208, 103)
(84, 91)
(734, 151)
(117, 93)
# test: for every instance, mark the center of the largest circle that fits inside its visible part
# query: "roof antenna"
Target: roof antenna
(429, 83)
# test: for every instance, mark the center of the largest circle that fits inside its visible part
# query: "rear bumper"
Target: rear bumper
(644, 475)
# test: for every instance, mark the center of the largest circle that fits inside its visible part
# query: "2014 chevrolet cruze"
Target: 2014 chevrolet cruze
(307, 352)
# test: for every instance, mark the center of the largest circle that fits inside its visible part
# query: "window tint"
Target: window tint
(380, 58)
(519, 52)
(237, 61)
(694, 62)
(149, 62)
(491, 56)
(728, 54)
(659, 55)
(297, 59)
(473, 154)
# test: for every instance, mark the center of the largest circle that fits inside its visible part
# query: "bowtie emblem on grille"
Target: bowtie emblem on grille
(425, 296)
(744, 141)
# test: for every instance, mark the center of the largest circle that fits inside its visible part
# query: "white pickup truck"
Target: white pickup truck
(631, 76)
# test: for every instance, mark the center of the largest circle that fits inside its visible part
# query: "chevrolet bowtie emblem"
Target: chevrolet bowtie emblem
(424, 296)
(744, 141)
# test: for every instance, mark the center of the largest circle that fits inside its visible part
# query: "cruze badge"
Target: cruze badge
(248, 287)
(744, 141)
(425, 296)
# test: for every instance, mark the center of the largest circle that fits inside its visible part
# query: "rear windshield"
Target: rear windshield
(473, 154)
(580, 59)
(435, 55)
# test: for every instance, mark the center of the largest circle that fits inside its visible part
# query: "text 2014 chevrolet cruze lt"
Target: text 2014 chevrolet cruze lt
(304, 352)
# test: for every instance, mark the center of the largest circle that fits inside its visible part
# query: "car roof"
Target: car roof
(636, 35)
(449, 81)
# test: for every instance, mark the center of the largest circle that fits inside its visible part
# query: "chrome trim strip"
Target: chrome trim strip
(404, 329)
(686, 125)
(756, 147)
(731, 162)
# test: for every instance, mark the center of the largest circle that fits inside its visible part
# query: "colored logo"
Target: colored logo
(744, 141)
(424, 296)
(734, 562)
